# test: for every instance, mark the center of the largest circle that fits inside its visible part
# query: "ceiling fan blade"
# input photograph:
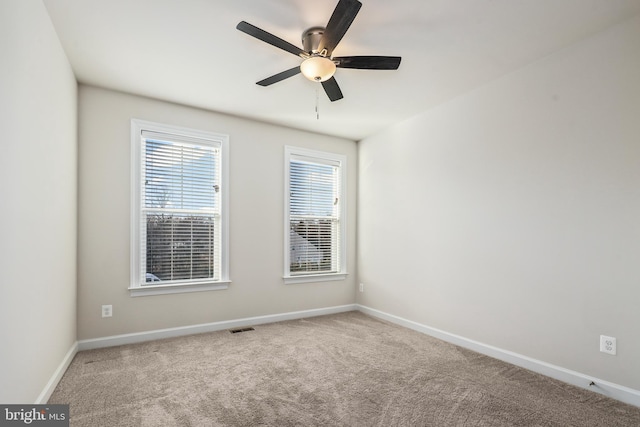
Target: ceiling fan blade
(368, 62)
(266, 37)
(340, 21)
(332, 89)
(279, 77)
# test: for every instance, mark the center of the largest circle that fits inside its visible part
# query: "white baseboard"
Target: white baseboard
(57, 375)
(207, 327)
(614, 391)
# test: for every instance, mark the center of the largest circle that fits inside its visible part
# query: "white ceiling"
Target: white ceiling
(189, 52)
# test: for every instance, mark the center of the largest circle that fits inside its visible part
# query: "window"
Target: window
(314, 216)
(179, 210)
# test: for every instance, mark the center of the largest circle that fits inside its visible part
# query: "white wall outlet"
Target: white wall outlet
(361, 287)
(608, 344)
(107, 310)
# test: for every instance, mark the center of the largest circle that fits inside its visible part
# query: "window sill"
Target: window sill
(177, 289)
(310, 278)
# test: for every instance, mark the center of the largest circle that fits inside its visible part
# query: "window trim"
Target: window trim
(318, 157)
(136, 288)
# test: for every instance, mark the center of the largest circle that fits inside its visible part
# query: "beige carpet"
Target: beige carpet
(340, 370)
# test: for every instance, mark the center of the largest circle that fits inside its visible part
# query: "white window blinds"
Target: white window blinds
(314, 215)
(180, 209)
(178, 224)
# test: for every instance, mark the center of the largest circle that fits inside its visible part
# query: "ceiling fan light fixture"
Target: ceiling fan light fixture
(318, 68)
(318, 44)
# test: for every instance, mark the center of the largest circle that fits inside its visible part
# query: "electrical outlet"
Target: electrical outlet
(107, 310)
(608, 345)
(361, 287)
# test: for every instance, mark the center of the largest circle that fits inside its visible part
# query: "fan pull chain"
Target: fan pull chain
(317, 102)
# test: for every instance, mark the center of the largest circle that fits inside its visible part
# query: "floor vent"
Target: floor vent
(237, 330)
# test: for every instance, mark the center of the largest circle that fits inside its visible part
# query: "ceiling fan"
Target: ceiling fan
(318, 44)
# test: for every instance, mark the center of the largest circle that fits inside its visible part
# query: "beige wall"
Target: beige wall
(38, 198)
(256, 226)
(511, 215)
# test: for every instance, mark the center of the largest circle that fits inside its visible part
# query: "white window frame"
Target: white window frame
(324, 158)
(137, 288)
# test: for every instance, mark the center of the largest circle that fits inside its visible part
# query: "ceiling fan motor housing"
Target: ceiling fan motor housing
(311, 40)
